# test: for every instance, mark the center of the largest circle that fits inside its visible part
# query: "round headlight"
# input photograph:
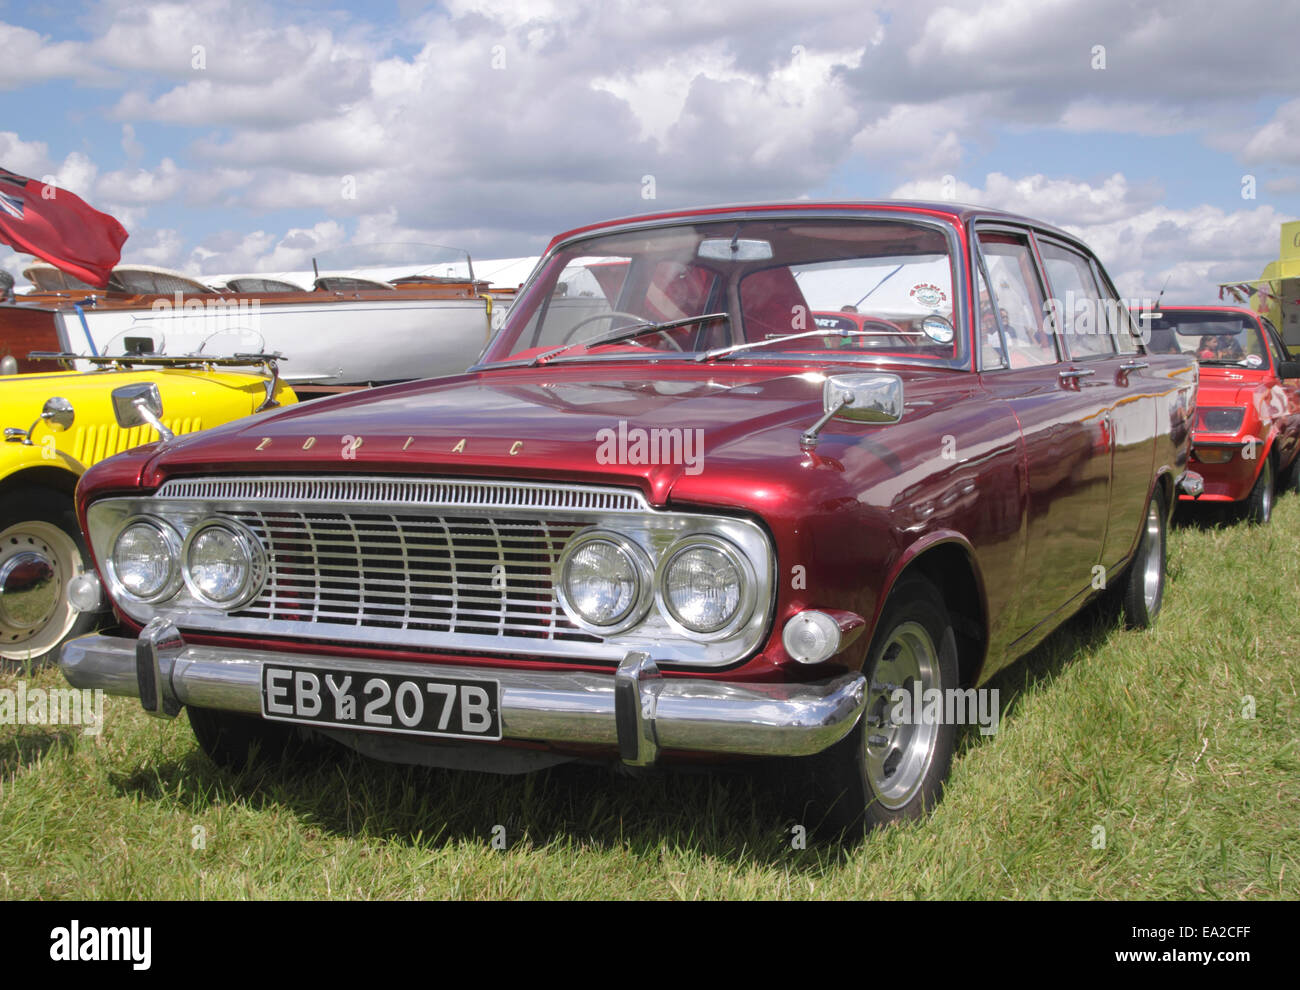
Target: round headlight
(222, 565)
(144, 559)
(603, 582)
(704, 586)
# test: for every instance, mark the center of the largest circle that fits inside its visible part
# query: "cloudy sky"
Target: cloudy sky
(232, 136)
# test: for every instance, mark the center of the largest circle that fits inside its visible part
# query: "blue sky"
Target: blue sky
(491, 125)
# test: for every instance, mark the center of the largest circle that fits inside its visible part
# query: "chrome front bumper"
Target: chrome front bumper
(635, 710)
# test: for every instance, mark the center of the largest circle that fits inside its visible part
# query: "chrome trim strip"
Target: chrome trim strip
(390, 492)
(684, 713)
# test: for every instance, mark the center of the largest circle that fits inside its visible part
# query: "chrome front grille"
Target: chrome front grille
(485, 576)
(450, 565)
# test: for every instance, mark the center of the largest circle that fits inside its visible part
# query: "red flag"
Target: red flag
(59, 227)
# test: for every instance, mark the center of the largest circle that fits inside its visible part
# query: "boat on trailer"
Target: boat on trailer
(338, 326)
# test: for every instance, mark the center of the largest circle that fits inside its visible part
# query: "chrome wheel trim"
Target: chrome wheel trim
(50, 543)
(897, 756)
(1266, 503)
(1153, 576)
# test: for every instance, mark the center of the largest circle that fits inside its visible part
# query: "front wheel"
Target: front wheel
(893, 765)
(236, 741)
(1143, 590)
(41, 550)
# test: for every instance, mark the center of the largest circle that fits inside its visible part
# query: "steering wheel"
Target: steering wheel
(609, 315)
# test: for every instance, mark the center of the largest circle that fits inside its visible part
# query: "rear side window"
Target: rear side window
(1077, 302)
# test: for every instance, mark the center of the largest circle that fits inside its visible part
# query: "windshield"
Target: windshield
(873, 287)
(1216, 339)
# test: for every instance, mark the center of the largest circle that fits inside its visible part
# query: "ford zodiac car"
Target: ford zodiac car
(1246, 439)
(57, 424)
(669, 515)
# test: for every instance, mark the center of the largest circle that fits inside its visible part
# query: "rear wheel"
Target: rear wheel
(892, 767)
(1143, 588)
(41, 550)
(1258, 507)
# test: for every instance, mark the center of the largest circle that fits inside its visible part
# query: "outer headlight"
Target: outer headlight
(705, 585)
(145, 560)
(603, 582)
(224, 564)
(1220, 420)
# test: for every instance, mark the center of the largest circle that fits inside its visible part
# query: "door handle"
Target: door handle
(1133, 365)
(1075, 373)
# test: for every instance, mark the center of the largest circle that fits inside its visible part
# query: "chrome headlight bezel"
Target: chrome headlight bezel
(254, 562)
(171, 538)
(747, 594)
(641, 567)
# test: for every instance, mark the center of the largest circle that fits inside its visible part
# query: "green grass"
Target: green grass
(1139, 733)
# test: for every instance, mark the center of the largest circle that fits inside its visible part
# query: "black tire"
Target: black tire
(1142, 589)
(39, 534)
(1257, 509)
(237, 742)
(853, 786)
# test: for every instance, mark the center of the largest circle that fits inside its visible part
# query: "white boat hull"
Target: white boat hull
(336, 342)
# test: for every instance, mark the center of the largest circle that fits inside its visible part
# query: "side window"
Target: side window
(1016, 299)
(1275, 339)
(1123, 326)
(1077, 302)
(1275, 348)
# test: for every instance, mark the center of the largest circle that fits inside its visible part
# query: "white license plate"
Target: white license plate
(411, 704)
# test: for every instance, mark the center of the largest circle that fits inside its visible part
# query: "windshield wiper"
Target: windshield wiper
(719, 352)
(628, 332)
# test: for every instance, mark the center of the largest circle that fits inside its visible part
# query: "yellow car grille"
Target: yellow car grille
(93, 443)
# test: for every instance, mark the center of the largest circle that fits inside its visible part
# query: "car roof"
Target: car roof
(958, 213)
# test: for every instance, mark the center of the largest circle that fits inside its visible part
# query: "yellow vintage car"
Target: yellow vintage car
(57, 425)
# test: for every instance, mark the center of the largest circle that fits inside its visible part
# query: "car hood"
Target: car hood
(648, 426)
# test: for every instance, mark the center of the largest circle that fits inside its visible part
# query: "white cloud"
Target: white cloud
(1139, 241)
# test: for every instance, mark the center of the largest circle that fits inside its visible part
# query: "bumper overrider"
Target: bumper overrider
(636, 711)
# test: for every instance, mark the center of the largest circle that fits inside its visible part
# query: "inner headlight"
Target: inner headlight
(603, 581)
(144, 559)
(705, 586)
(222, 564)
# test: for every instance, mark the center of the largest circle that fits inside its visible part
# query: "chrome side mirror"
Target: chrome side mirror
(139, 405)
(864, 398)
(58, 413)
(861, 398)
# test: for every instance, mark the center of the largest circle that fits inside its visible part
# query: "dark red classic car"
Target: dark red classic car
(1246, 442)
(667, 516)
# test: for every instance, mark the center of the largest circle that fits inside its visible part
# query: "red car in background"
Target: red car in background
(1247, 433)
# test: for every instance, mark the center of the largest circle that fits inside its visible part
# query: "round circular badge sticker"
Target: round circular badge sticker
(928, 295)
